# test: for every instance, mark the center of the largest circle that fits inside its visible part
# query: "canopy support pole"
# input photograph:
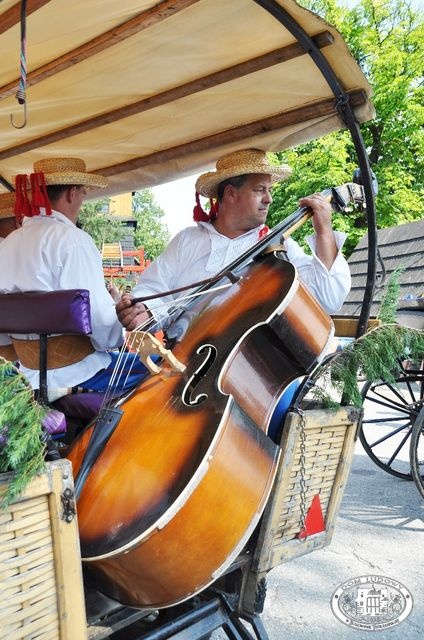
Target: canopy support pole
(346, 112)
(6, 184)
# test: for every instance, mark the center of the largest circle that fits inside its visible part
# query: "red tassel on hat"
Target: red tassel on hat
(22, 204)
(39, 194)
(199, 215)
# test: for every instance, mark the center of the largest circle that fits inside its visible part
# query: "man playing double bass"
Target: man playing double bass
(241, 186)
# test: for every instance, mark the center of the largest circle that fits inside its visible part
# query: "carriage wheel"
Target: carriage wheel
(390, 411)
(417, 452)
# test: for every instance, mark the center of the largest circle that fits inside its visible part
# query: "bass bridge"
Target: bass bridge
(147, 345)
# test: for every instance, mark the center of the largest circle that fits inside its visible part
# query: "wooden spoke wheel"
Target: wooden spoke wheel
(416, 452)
(390, 412)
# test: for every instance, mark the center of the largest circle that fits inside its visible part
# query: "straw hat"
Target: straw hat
(239, 163)
(64, 171)
(7, 205)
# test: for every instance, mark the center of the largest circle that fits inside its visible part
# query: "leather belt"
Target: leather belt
(61, 351)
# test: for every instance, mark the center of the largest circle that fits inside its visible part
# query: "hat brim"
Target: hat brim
(207, 183)
(7, 205)
(6, 213)
(76, 177)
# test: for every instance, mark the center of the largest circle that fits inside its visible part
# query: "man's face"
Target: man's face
(253, 199)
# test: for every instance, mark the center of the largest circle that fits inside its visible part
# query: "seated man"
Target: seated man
(242, 186)
(49, 253)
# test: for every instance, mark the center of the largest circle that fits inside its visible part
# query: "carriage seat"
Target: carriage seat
(46, 313)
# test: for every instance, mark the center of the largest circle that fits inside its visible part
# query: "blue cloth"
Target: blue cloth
(287, 397)
(131, 372)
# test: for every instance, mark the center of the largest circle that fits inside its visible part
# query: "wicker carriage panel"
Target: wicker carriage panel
(329, 449)
(41, 591)
(27, 575)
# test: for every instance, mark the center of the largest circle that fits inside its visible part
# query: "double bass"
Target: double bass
(180, 485)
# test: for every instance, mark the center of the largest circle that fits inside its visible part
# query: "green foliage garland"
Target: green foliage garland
(21, 446)
(377, 354)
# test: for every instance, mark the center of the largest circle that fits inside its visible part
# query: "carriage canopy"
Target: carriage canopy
(147, 91)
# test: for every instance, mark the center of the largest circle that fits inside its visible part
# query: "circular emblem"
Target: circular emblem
(372, 603)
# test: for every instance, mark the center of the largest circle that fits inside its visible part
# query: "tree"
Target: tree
(151, 232)
(385, 37)
(316, 165)
(101, 226)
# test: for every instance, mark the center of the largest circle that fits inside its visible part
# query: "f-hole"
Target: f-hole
(190, 388)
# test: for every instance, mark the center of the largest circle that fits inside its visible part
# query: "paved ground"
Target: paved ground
(379, 531)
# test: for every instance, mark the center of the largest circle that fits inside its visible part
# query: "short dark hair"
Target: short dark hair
(54, 191)
(235, 181)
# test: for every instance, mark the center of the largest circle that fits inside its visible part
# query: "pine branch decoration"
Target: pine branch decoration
(21, 446)
(389, 303)
(377, 355)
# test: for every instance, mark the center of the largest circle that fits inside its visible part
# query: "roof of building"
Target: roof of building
(401, 246)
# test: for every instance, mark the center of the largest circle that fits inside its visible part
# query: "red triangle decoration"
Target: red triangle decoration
(314, 521)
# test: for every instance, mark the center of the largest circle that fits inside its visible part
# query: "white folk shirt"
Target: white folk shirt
(200, 252)
(49, 253)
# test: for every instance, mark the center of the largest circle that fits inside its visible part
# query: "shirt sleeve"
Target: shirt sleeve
(82, 269)
(329, 286)
(160, 277)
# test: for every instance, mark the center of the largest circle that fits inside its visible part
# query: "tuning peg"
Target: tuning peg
(357, 178)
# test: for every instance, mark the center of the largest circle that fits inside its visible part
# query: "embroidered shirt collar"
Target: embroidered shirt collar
(56, 215)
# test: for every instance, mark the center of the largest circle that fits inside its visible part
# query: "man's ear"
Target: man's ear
(70, 194)
(230, 191)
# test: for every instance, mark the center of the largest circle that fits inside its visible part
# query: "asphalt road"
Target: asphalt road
(379, 531)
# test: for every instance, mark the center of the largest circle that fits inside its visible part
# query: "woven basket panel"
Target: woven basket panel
(28, 602)
(329, 446)
(323, 450)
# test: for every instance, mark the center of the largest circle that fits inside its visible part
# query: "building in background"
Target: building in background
(399, 247)
(121, 259)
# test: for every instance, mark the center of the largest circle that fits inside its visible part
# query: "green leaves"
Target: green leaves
(385, 37)
(21, 447)
(376, 355)
(97, 221)
(151, 232)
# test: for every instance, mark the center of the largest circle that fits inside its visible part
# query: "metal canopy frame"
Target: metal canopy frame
(344, 108)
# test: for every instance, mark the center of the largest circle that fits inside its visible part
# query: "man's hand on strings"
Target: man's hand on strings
(326, 248)
(322, 211)
(131, 316)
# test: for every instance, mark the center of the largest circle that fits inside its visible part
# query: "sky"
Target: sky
(176, 198)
